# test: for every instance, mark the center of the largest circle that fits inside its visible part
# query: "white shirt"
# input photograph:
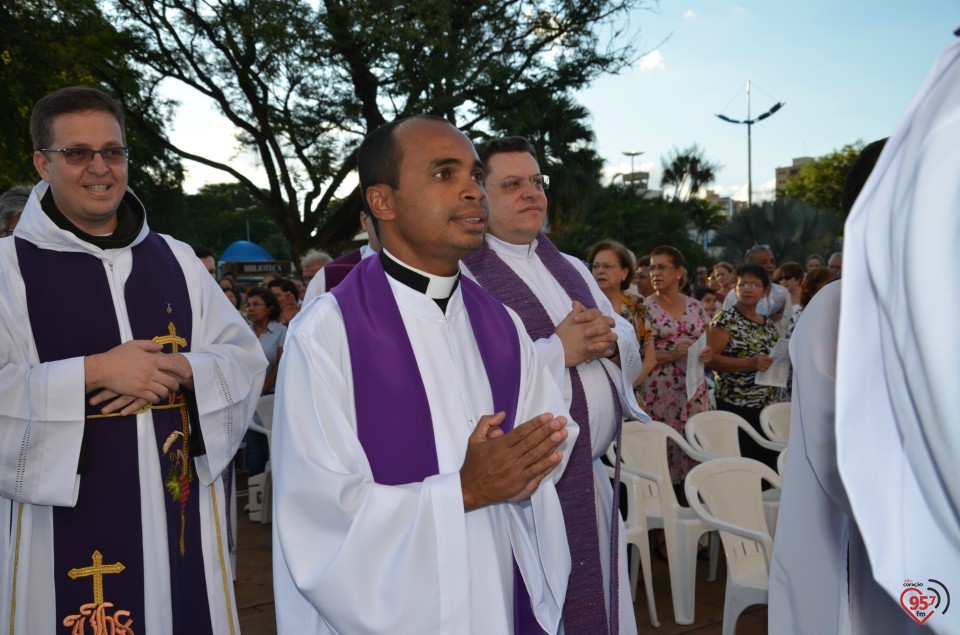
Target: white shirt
(352, 556)
(318, 285)
(41, 428)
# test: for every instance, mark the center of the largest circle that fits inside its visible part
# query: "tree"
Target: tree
(791, 228)
(820, 182)
(303, 84)
(687, 171)
(47, 46)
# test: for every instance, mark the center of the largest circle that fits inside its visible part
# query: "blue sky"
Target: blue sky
(846, 70)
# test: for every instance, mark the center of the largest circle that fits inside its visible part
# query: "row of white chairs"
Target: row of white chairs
(730, 495)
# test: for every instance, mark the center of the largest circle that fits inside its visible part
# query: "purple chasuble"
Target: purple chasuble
(583, 611)
(98, 543)
(336, 270)
(398, 441)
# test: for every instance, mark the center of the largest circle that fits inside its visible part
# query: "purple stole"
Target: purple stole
(386, 375)
(583, 611)
(336, 270)
(98, 544)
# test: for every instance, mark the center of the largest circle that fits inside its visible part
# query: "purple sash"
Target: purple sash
(336, 270)
(394, 423)
(98, 543)
(583, 610)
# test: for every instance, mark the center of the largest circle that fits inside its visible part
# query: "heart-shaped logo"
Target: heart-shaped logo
(917, 605)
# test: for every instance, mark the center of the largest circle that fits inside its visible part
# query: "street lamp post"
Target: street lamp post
(632, 154)
(749, 122)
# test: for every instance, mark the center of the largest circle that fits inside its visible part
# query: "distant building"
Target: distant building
(785, 174)
(728, 205)
(638, 181)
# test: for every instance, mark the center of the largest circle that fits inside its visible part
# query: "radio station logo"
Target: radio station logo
(922, 600)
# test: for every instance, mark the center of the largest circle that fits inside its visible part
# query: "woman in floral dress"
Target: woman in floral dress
(677, 320)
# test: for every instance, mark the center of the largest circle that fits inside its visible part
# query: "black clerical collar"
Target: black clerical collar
(437, 288)
(130, 219)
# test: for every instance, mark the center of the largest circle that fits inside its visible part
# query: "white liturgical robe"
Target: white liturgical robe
(42, 418)
(898, 436)
(815, 531)
(352, 556)
(523, 260)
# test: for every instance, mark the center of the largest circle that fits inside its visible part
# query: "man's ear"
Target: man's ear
(40, 163)
(381, 202)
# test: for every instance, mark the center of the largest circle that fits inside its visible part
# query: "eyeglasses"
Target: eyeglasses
(114, 155)
(514, 183)
(662, 267)
(606, 266)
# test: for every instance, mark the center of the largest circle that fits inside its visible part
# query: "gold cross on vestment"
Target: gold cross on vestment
(172, 339)
(98, 570)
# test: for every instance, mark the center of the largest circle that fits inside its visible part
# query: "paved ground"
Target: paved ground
(256, 609)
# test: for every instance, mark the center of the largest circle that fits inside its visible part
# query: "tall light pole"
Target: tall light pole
(632, 154)
(749, 122)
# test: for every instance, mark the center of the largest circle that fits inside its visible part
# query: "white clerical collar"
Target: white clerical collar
(504, 248)
(434, 287)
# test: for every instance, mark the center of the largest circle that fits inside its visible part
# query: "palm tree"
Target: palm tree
(687, 171)
(791, 228)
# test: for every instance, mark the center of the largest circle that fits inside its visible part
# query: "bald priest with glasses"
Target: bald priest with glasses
(126, 381)
(594, 356)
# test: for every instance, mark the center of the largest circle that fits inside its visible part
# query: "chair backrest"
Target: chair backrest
(265, 411)
(782, 463)
(644, 447)
(775, 421)
(715, 433)
(726, 494)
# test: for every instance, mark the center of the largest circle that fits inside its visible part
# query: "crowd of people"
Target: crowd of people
(446, 397)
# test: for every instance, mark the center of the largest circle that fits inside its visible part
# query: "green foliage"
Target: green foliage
(820, 182)
(792, 229)
(304, 81)
(687, 171)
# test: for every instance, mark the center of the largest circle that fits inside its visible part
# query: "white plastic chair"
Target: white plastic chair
(730, 491)
(775, 423)
(782, 464)
(265, 413)
(637, 535)
(644, 452)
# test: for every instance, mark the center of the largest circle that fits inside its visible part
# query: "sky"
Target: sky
(844, 69)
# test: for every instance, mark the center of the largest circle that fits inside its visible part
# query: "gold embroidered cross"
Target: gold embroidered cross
(172, 339)
(97, 570)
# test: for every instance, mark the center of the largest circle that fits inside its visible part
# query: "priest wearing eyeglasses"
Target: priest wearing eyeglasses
(126, 382)
(594, 356)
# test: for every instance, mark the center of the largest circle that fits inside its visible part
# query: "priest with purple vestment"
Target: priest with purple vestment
(417, 438)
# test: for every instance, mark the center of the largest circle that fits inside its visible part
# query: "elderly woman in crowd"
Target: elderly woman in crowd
(742, 339)
(612, 266)
(263, 309)
(677, 320)
(12, 203)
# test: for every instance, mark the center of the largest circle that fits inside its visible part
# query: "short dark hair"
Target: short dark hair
(379, 157)
(789, 270)
(66, 101)
(273, 305)
(12, 203)
(701, 292)
(757, 271)
(202, 251)
(285, 285)
(623, 255)
(859, 172)
(503, 145)
(675, 255)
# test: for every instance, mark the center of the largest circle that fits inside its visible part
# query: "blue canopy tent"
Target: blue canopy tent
(245, 251)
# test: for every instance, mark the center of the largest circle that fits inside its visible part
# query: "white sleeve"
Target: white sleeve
(228, 367)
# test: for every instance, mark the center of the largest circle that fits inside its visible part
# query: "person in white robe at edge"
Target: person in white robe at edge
(318, 284)
(898, 436)
(598, 343)
(818, 553)
(86, 475)
(354, 554)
